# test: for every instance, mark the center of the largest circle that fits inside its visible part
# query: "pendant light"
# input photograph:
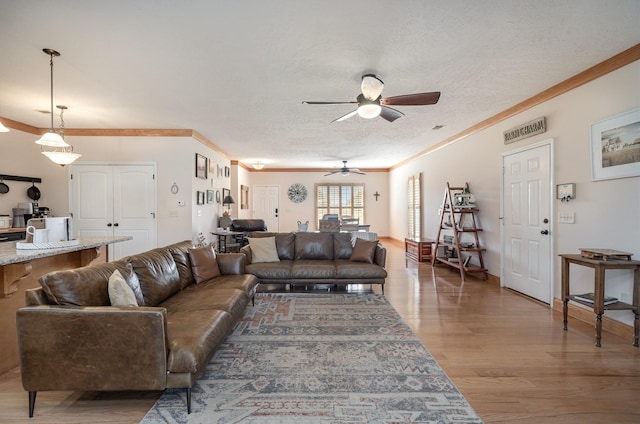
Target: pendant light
(61, 155)
(3, 128)
(52, 144)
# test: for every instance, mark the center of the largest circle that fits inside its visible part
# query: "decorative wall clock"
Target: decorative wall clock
(297, 193)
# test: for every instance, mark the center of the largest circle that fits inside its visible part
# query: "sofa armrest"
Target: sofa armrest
(92, 348)
(246, 251)
(231, 263)
(380, 256)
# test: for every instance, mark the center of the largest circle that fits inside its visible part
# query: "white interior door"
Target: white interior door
(526, 203)
(134, 211)
(91, 200)
(266, 206)
(108, 200)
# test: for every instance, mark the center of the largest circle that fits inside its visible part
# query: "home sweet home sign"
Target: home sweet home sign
(531, 128)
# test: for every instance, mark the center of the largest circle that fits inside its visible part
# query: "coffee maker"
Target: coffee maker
(29, 210)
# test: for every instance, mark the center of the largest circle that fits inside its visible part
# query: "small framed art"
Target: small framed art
(244, 197)
(210, 194)
(201, 166)
(200, 197)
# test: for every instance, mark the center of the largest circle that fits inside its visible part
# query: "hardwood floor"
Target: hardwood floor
(507, 354)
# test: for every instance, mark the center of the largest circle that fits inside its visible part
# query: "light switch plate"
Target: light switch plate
(567, 217)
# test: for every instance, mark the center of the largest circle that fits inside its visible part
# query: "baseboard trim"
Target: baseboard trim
(585, 314)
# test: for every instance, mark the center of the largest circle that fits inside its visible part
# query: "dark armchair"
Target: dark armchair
(247, 226)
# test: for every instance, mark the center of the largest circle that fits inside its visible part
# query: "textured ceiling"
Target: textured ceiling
(237, 71)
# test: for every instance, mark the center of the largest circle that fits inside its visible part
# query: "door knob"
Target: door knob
(116, 224)
(544, 232)
(109, 224)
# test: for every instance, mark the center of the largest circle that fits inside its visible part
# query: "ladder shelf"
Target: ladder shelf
(457, 244)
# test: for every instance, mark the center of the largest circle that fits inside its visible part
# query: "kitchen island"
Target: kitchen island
(20, 270)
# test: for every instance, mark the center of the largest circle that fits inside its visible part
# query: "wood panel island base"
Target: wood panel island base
(20, 270)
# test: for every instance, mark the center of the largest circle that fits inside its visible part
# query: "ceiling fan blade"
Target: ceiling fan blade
(326, 103)
(357, 171)
(390, 114)
(418, 99)
(331, 173)
(345, 117)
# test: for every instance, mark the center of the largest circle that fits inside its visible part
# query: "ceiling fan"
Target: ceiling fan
(345, 170)
(371, 103)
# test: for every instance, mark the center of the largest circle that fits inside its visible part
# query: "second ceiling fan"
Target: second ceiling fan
(371, 104)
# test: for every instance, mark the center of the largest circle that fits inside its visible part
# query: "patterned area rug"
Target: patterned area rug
(319, 358)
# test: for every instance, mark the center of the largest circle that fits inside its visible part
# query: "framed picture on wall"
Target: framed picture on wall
(244, 197)
(200, 197)
(615, 147)
(201, 166)
(210, 194)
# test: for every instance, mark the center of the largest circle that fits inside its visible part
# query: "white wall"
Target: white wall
(606, 212)
(376, 212)
(175, 162)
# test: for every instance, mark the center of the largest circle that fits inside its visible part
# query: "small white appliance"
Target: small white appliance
(5, 221)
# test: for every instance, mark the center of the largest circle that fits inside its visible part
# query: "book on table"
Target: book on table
(590, 298)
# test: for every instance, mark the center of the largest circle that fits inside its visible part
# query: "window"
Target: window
(340, 199)
(414, 206)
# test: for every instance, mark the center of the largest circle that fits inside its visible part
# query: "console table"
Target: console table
(599, 267)
(418, 249)
(228, 240)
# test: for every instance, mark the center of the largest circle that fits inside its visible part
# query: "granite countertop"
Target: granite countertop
(10, 255)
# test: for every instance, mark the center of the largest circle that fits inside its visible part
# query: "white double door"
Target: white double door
(527, 228)
(115, 200)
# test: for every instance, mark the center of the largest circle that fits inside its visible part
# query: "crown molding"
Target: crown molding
(616, 62)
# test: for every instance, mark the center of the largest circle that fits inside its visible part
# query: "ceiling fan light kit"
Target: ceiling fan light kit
(371, 103)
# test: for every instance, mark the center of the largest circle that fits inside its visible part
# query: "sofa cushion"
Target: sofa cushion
(313, 268)
(158, 275)
(86, 286)
(246, 282)
(285, 243)
(120, 294)
(342, 246)
(358, 270)
(314, 246)
(263, 249)
(180, 253)
(208, 296)
(204, 266)
(363, 251)
(193, 336)
(270, 270)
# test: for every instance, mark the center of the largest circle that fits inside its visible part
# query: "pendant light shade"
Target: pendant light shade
(52, 143)
(52, 139)
(3, 128)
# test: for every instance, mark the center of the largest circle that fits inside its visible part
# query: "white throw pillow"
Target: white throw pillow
(120, 294)
(263, 249)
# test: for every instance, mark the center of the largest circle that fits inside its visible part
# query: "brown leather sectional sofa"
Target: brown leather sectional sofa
(319, 259)
(71, 338)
